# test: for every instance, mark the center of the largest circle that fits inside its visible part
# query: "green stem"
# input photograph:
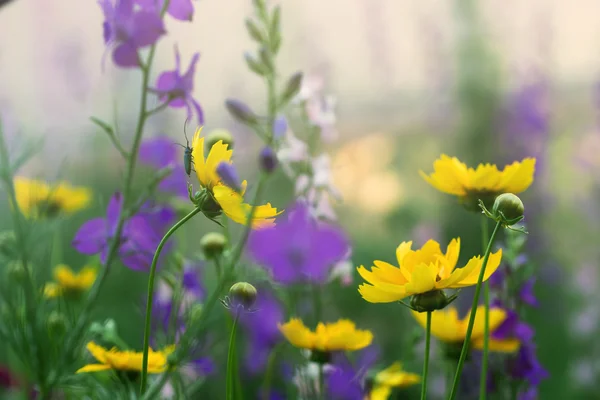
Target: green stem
(321, 382)
(486, 323)
(151, 294)
(466, 344)
(426, 361)
(317, 303)
(269, 371)
(157, 386)
(230, 386)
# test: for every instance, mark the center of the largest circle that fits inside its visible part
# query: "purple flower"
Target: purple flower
(229, 176)
(512, 327)
(529, 394)
(261, 329)
(526, 365)
(299, 249)
(177, 89)
(160, 152)
(346, 381)
(182, 10)
(526, 293)
(139, 238)
(126, 30)
(497, 279)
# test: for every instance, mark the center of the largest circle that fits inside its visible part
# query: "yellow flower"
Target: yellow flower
(39, 199)
(231, 202)
(447, 327)
(340, 335)
(68, 281)
(422, 271)
(126, 360)
(391, 377)
(486, 182)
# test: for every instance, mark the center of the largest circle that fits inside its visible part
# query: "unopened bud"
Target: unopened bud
(266, 59)
(17, 272)
(242, 294)
(57, 323)
(279, 127)
(213, 244)
(267, 160)
(255, 66)
(510, 206)
(216, 135)
(8, 244)
(229, 176)
(241, 112)
(429, 301)
(291, 88)
(195, 313)
(254, 31)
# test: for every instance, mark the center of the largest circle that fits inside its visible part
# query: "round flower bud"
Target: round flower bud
(429, 301)
(510, 206)
(57, 323)
(213, 244)
(267, 160)
(216, 135)
(17, 272)
(242, 294)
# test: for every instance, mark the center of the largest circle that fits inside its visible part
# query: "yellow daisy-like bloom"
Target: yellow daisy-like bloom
(38, 199)
(126, 360)
(422, 271)
(393, 376)
(336, 336)
(68, 281)
(486, 182)
(447, 327)
(230, 201)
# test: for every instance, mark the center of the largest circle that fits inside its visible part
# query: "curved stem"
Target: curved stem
(149, 300)
(466, 344)
(229, 385)
(426, 361)
(486, 323)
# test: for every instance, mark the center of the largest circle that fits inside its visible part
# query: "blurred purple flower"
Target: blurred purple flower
(140, 235)
(497, 279)
(526, 365)
(177, 89)
(346, 381)
(182, 10)
(512, 327)
(229, 176)
(261, 330)
(530, 394)
(159, 152)
(299, 249)
(280, 127)
(526, 293)
(126, 30)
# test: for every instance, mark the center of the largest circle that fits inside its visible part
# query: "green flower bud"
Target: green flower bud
(213, 244)
(292, 88)
(510, 206)
(195, 313)
(242, 294)
(241, 112)
(216, 135)
(57, 323)
(254, 31)
(17, 272)
(429, 301)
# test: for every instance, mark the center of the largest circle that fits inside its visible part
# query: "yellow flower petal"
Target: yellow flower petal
(198, 157)
(93, 368)
(491, 267)
(423, 279)
(445, 324)
(381, 293)
(517, 177)
(497, 316)
(380, 392)
(340, 335)
(233, 206)
(499, 346)
(297, 334)
(217, 154)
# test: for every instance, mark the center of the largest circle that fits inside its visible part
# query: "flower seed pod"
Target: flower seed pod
(429, 301)
(242, 294)
(213, 244)
(508, 207)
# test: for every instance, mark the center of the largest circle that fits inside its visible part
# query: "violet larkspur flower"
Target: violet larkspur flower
(182, 10)
(300, 249)
(347, 381)
(526, 366)
(139, 237)
(177, 89)
(126, 30)
(160, 152)
(526, 293)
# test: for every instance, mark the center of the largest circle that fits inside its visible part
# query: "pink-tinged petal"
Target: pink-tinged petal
(147, 28)
(91, 237)
(113, 212)
(167, 81)
(182, 10)
(125, 55)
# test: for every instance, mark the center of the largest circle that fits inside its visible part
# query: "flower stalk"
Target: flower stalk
(426, 360)
(486, 321)
(231, 370)
(466, 343)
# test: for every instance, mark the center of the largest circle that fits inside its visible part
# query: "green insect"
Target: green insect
(188, 158)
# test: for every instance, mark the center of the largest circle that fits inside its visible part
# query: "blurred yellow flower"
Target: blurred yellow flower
(486, 182)
(68, 282)
(230, 201)
(38, 199)
(422, 271)
(391, 377)
(126, 360)
(447, 327)
(340, 335)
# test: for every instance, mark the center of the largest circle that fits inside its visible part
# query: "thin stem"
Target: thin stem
(157, 386)
(158, 108)
(229, 385)
(321, 382)
(426, 361)
(269, 372)
(486, 323)
(149, 300)
(466, 344)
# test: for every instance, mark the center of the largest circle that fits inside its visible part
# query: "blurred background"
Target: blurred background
(492, 81)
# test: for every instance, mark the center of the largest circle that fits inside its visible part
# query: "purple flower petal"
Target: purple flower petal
(159, 152)
(91, 237)
(148, 27)
(182, 10)
(175, 183)
(526, 293)
(113, 212)
(125, 55)
(166, 82)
